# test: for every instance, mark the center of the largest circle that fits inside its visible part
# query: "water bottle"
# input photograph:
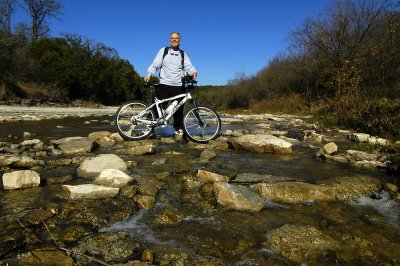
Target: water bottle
(171, 107)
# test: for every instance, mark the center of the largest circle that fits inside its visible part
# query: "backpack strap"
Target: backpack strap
(183, 58)
(166, 49)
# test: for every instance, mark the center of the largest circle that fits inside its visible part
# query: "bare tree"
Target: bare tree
(344, 42)
(6, 11)
(40, 11)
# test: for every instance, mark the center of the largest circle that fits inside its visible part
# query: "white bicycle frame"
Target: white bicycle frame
(163, 118)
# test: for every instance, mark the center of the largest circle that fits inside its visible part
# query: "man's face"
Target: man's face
(175, 40)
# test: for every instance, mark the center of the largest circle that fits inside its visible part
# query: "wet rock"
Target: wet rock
(360, 155)
(397, 197)
(147, 255)
(21, 179)
(237, 197)
(56, 152)
(26, 135)
(159, 161)
(236, 133)
(43, 256)
(27, 162)
(99, 134)
(299, 243)
(128, 191)
(262, 143)
(147, 185)
(168, 217)
(59, 161)
(6, 160)
(15, 161)
(96, 213)
(207, 155)
(113, 178)
(211, 177)
(350, 188)
(359, 137)
(219, 143)
(170, 256)
(391, 187)
(110, 247)
(290, 140)
(33, 143)
(94, 166)
(59, 179)
(88, 191)
(81, 145)
(329, 148)
(35, 217)
(294, 192)
(378, 141)
(336, 158)
(72, 233)
(105, 142)
(144, 201)
(116, 137)
(256, 178)
(138, 150)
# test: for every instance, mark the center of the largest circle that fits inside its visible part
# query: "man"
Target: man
(173, 64)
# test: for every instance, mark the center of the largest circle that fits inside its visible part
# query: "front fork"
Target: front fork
(196, 113)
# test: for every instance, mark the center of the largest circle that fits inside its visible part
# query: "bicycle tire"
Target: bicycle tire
(204, 131)
(127, 125)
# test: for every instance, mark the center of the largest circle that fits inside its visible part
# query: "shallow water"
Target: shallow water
(235, 237)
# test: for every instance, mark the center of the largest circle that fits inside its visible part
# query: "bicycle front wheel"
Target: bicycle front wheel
(133, 120)
(202, 124)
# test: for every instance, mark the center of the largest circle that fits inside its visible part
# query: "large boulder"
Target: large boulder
(88, 191)
(349, 188)
(81, 145)
(299, 243)
(294, 192)
(110, 247)
(113, 178)
(94, 166)
(237, 197)
(262, 143)
(19, 161)
(211, 177)
(21, 179)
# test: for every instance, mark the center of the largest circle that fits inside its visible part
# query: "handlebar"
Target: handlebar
(188, 79)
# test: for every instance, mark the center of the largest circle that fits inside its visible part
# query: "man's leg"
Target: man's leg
(178, 116)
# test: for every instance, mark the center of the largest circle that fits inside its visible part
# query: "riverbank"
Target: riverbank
(22, 111)
(12, 113)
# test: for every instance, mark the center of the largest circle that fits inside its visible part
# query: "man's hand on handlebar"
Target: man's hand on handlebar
(147, 78)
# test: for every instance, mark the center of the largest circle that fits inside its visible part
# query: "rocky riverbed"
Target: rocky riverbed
(277, 191)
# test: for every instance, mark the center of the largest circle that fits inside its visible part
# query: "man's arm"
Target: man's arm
(156, 65)
(189, 68)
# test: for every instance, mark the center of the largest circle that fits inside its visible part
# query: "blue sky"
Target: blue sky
(223, 38)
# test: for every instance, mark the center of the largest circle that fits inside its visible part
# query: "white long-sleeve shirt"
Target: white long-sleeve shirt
(170, 67)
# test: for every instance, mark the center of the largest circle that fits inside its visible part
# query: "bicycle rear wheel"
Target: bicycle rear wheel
(131, 120)
(202, 124)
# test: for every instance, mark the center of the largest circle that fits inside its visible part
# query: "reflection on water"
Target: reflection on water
(48, 129)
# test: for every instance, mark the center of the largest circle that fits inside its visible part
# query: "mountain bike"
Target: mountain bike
(136, 120)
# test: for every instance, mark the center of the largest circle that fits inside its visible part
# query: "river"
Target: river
(366, 229)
